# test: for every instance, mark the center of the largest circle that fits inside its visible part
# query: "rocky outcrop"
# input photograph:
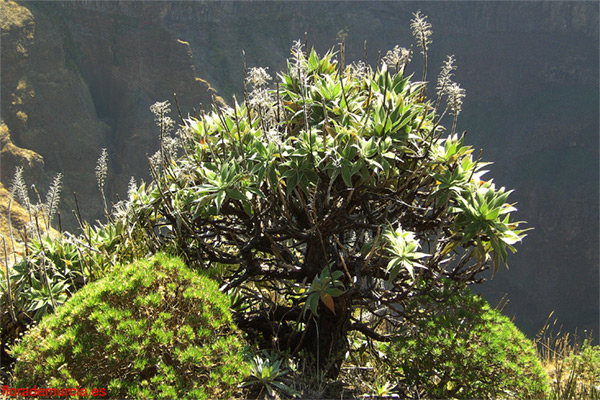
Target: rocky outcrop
(75, 81)
(13, 156)
(45, 104)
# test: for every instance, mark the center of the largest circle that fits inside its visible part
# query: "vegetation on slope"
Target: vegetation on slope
(152, 329)
(333, 208)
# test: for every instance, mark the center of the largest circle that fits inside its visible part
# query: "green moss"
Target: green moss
(137, 335)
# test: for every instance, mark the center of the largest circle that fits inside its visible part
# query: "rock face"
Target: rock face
(79, 76)
(77, 80)
(12, 156)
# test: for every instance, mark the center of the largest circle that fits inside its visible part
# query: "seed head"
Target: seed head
(160, 109)
(131, 188)
(421, 30)
(19, 187)
(358, 70)
(397, 57)
(299, 63)
(445, 77)
(257, 77)
(455, 97)
(102, 169)
(53, 196)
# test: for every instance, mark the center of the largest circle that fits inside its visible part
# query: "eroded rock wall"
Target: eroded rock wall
(77, 79)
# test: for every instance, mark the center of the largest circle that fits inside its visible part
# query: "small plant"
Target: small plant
(267, 374)
(383, 389)
(30, 284)
(54, 266)
(152, 329)
(324, 287)
(573, 365)
(463, 349)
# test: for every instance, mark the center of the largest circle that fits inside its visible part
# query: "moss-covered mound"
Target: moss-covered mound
(463, 349)
(152, 329)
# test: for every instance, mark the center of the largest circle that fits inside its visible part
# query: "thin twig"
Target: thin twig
(43, 260)
(178, 109)
(344, 262)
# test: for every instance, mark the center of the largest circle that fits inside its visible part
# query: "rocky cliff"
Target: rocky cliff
(76, 80)
(80, 75)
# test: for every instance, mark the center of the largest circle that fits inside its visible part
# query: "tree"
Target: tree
(326, 203)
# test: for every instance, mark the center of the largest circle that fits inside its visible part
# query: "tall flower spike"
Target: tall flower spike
(455, 99)
(445, 77)
(155, 162)
(53, 197)
(358, 70)
(131, 188)
(260, 98)
(456, 95)
(274, 136)
(160, 109)
(19, 188)
(299, 62)
(421, 30)
(101, 169)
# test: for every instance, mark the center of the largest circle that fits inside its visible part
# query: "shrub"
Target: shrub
(329, 200)
(464, 349)
(325, 203)
(151, 329)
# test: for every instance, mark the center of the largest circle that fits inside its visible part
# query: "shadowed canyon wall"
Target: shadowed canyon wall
(78, 76)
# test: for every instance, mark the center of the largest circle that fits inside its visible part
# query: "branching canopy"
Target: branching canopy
(328, 200)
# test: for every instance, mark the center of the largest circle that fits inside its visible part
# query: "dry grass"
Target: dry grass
(571, 361)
